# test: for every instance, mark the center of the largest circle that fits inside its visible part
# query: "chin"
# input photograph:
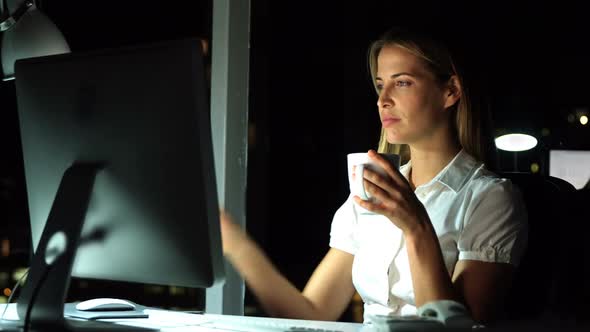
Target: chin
(395, 139)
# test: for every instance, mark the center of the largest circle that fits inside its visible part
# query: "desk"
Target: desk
(165, 320)
(168, 321)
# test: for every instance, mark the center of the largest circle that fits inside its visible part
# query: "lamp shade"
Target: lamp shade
(515, 142)
(33, 35)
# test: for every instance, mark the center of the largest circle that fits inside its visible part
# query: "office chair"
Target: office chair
(544, 283)
(580, 285)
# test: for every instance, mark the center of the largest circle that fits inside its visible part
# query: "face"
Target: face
(411, 102)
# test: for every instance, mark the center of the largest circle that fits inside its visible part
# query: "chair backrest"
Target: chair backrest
(540, 287)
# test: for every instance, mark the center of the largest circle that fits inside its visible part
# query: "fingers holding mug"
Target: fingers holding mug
(360, 166)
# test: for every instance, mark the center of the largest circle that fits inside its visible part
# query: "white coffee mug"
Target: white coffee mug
(357, 163)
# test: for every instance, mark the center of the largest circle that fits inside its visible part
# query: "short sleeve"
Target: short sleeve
(495, 225)
(342, 232)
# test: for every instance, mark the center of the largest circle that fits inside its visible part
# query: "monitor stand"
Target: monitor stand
(41, 303)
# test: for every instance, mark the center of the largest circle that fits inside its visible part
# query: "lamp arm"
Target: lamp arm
(10, 20)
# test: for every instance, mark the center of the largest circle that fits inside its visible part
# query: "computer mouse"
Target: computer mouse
(105, 304)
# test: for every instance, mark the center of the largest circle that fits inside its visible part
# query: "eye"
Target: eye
(379, 86)
(403, 83)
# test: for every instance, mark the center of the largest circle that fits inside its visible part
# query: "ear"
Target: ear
(453, 91)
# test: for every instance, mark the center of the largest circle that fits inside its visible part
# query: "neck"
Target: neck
(427, 162)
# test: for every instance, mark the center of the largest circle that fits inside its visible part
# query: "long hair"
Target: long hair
(469, 123)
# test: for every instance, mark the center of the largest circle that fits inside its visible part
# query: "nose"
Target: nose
(384, 101)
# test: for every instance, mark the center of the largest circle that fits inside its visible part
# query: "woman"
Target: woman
(446, 228)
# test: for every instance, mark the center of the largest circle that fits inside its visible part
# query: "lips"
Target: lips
(389, 121)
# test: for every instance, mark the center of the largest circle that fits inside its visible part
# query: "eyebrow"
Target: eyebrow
(396, 75)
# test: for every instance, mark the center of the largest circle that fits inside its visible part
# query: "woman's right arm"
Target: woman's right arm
(325, 297)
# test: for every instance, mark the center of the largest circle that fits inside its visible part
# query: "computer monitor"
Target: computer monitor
(119, 170)
(571, 166)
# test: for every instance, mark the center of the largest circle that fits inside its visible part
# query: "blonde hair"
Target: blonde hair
(468, 122)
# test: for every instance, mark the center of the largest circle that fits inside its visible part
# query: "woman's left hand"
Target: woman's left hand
(395, 198)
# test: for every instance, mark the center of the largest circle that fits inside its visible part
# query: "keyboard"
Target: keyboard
(260, 324)
(179, 321)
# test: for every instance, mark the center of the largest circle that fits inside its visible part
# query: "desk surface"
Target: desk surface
(165, 320)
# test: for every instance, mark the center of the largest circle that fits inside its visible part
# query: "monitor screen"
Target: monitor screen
(571, 166)
(142, 113)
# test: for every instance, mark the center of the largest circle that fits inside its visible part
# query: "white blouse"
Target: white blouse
(476, 215)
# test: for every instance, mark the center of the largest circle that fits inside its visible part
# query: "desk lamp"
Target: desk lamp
(26, 33)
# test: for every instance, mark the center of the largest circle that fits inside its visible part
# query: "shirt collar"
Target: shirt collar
(454, 175)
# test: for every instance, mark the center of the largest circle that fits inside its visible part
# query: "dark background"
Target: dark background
(311, 103)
